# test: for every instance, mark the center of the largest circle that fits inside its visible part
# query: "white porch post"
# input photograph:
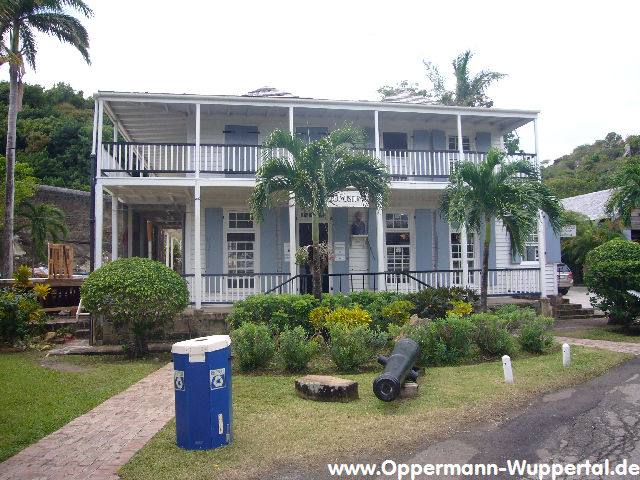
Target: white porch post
(129, 231)
(463, 229)
(99, 203)
(114, 227)
(292, 221)
(149, 239)
(381, 267)
(197, 156)
(542, 244)
(166, 249)
(171, 252)
(197, 268)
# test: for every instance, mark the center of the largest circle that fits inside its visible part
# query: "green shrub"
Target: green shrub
(435, 302)
(294, 350)
(350, 347)
(491, 336)
(535, 334)
(138, 292)
(397, 312)
(348, 316)
(513, 317)
(252, 345)
(610, 270)
(445, 341)
(372, 302)
(277, 311)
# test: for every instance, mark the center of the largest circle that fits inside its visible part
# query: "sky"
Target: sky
(576, 62)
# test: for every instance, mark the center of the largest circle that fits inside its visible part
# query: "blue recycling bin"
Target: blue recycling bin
(202, 384)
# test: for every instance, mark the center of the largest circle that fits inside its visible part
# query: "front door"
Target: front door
(305, 238)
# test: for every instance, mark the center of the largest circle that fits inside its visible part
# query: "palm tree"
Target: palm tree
(493, 189)
(469, 91)
(626, 197)
(312, 173)
(43, 221)
(19, 21)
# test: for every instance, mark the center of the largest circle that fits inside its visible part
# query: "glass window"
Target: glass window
(531, 248)
(397, 220)
(240, 220)
(453, 143)
(241, 244)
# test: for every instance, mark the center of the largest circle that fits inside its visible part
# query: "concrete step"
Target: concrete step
(81, 333)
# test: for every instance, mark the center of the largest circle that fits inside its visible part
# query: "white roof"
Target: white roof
(202, 344)
(590, 204)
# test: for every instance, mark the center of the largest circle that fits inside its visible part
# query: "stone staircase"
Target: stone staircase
(561, 309)
(80, 326)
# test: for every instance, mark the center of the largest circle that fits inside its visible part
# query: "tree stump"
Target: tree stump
(323, 388)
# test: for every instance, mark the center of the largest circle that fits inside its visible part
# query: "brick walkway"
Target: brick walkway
(623, 347)
(97, 443)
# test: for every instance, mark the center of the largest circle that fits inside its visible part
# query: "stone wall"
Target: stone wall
(76, 204)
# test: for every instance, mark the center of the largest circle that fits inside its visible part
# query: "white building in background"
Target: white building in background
(185, 165)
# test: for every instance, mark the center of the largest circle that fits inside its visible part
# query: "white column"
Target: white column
(114, 227)
(292, 220)
(166, 249)
(542, 243)
(99, 204)
(129, 231)
(171, 252)
(99, 141)
(463, 230)
(197, 159)
(197, 268)
(381, 267)
(149, 239)
(95, 127)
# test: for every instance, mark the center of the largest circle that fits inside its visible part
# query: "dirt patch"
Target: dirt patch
(574, 324)
(55, 363)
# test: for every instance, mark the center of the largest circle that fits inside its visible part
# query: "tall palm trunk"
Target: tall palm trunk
(7, 231)
(484, 281)
(316, 264)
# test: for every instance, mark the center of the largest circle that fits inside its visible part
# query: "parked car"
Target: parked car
(565, 279)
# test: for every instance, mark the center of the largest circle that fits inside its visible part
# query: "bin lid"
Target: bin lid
(206, 344)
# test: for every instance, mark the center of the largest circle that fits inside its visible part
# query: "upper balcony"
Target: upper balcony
(213, 137)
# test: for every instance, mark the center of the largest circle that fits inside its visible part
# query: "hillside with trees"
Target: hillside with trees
(590, 168)
(53, 134)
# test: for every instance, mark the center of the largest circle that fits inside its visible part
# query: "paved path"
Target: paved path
(94, 445)
(624, 347)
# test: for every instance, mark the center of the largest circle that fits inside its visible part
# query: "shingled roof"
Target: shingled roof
(407, 96)
(590, 204)
(269, 92)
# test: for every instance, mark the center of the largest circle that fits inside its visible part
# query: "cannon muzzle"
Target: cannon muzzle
(398, 368)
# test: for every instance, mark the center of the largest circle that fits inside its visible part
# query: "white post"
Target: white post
(506, 366)
(129, 231)
(292, 221)
(171, 252)
(381, 267)
(463, 229)
(197, 159)
(166, 249)
(542, 244)
(149, 239)
(566, 355)
(197, 268)
(99, 204)
(95, 127)
(99, 145)
(114, 227)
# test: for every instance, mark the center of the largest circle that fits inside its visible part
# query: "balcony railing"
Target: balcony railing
(228, 288)
(179, 159)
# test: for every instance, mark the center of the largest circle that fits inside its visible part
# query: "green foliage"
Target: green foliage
(469, 91)
(350, 347)
(610, 270)
(435, 302)
(252, 345)
(513, 317)
(277, 311)
(445, 341)
(397, 312)
(44, 222)
(626, 197)
(25, 182)
(348, 317)
(491, 335)
(535, 335)
(138, 292)
(20, 309)
(460, 308)
(589, 168)
(294, 350)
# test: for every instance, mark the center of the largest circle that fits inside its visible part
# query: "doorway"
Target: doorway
(305, 238)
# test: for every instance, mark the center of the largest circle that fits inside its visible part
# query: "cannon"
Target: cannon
(398, 369)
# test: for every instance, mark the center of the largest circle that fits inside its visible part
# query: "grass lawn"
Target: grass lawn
(275, 430)
(37, 400)
(610, 333)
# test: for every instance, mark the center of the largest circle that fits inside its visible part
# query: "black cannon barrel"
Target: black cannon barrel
(398, 367)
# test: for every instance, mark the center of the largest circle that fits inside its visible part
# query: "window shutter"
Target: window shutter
(421, 140)
(439, 140)
(483, 141)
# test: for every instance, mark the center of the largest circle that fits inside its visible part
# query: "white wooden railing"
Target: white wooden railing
(419, 162)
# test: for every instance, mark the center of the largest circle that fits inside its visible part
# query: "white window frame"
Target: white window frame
(472, 253)
(412, 234)
(226, 229)
(532, 241)
(466, 142)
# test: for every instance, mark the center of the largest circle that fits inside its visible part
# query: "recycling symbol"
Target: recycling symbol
(178, 379)
(216, 378)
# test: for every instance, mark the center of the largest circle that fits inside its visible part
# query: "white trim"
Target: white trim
(197, 246)
(99, 206)
(411, 213)
(114, 228)
(225, 229)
